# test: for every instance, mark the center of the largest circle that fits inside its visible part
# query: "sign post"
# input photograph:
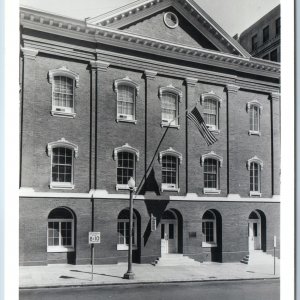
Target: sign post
(94, 238)
(274, 252)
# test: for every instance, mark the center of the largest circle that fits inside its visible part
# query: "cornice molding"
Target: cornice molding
(64, 71)
(256, 160)
(48, 22)
(170, 88)
(62, 143)
(211, 95)
(99, 65)
(172, 152)
(126, 147)
(29, 53)
(213, 155)
(254, 103)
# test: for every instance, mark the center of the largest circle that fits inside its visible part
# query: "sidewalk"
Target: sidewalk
(80, 275)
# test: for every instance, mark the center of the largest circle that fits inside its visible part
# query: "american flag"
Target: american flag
(195, 116)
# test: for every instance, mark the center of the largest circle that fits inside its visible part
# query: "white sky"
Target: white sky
(233, 16)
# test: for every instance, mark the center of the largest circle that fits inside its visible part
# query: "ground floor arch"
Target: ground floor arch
(257, 231)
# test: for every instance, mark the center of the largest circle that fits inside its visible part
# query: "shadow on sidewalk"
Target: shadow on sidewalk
(97, 274)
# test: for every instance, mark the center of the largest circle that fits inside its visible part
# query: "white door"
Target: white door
(168, 236)
(254, 235)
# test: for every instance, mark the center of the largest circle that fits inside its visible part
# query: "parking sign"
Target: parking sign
(94, 237)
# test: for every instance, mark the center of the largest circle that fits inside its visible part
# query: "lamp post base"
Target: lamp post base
(128, 275)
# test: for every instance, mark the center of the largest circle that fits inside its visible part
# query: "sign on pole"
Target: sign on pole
(153, 223)
(274, 241)
(94, 237)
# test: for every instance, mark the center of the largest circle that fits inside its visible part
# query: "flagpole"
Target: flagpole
(167, 127)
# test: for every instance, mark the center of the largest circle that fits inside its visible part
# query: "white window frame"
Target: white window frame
(219, 160)
(125, 246)
(250, 105)
(178, 93)
(259, 162)
(214, 242)
(135, 152)
(62, 143)
(178, 156)
(61, 111)
(60, 247)
(127, 82)
(215, 128)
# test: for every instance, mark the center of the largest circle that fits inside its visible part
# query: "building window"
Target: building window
(60, 233)
(171, 20)
(126, 157)
(209, 229)
(211, 104)
(63, 83)
(266, 34)
(274, 55)
(254, 42)
(170, 98)
(170, 160)
(255, 166)
(127, 91)
(62, 155)
(277, 24)
(123, 230)
(254, 110)
(211, 175)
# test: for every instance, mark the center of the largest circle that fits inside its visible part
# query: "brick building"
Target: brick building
(98, 102)
(262, 39)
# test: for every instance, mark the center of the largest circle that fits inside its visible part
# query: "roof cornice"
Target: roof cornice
(59, 25)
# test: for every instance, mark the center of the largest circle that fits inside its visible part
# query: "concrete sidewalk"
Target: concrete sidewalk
(80, 275)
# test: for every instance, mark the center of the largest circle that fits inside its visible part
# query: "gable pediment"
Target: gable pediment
(195, 28)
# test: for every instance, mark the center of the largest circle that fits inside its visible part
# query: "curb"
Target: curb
(143, 283)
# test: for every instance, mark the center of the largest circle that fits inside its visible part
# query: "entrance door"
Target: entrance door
(168, 236)
(254, 235)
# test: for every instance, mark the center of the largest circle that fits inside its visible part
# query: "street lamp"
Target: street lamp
(129, 274)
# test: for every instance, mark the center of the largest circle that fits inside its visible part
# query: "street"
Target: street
(212, 290)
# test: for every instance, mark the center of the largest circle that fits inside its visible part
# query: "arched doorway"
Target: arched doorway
(256, 231)
(169, 233)
(61, 236)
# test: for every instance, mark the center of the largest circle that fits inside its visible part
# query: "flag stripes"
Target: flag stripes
(195, 116)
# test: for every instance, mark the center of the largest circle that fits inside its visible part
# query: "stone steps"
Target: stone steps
(175, 260)
(258, 257)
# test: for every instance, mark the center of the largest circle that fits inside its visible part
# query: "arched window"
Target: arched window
(60, 233)
(127, 91)
(123, 230)
(62, 155)
(211, 174)
(63, 88)
(170, 160)
(254, 109)
(126, 157)
(209, 229)
(211, 104)
(170, 97)
(255, 166)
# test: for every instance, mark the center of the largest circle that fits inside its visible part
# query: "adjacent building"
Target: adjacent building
(106, 98)
(262, 39)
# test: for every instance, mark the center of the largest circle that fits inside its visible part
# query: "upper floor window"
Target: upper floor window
(170, 160)
(62, 155)
(277, 26)
(211, 163)
(127, 91)
(60, 233)
(211, 104)
(170, 98)
(254, 42)
(126, 157)
(255, 166)
(266, 34)
(63, 83)
(254, 110)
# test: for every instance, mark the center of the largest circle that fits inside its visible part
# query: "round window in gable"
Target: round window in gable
(171, 20)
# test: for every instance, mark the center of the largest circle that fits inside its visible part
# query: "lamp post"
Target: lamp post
(129, 274)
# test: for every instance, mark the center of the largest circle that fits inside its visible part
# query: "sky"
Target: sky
(233, 16)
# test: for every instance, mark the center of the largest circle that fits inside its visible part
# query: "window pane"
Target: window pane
(63, 91)
(210, 173)
(169, 107)
(125, 167)
(126, 98)
(169, 169)
(210, 112)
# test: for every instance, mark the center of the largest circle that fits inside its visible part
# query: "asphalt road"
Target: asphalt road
(226, 290)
